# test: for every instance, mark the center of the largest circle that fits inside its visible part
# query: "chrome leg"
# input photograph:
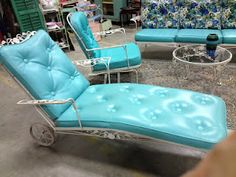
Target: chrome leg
(105, 78)
(118, 77)
(136, 75)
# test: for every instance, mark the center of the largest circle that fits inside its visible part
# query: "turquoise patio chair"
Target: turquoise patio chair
(123, 58)
(65, 99)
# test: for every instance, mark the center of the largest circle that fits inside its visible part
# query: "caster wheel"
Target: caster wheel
(42, 134)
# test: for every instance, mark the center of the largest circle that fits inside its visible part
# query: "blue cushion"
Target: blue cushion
(80, 24)
(229, 36)
(196, 35)
(118, 57)
(156, 35)
(176, 115)
(44, 70)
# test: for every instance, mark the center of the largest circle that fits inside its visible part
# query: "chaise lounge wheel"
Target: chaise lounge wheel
(42, 134)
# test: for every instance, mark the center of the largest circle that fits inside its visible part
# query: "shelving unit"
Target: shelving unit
(111, 8)
(55, 24)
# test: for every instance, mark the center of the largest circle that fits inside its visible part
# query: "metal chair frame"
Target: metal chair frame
(104, 33)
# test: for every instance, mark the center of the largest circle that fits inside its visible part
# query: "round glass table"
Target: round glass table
(196, 55)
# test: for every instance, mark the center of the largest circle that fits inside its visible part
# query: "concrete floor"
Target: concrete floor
(77, 155)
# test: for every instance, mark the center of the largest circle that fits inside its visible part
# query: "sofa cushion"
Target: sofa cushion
(118, 57)
(229, 14)
(156, 35)
(175, 115)
(229, 36)
(196, 35)
(200, 14)
(160, 14)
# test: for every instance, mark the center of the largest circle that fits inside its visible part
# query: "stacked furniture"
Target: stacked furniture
(187, 21)
(56, 26)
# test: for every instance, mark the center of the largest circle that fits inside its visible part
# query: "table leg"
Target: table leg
(187, 72)
(175, 73)
(217, 72)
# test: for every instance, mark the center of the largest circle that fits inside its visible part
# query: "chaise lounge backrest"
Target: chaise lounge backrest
(44, 70)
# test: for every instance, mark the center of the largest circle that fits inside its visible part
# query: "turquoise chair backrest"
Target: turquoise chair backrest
(80, 24)
(44, 70)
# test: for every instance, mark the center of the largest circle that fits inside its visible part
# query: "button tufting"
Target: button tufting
(26, 61)
(53, 93)
(111, 108)
(48, 49)
(137, 99)
(163, 93)
(160, 92)
(101, 99)
(154, 115)
(125, 89)
(202, 124)
(72, 77)
(91, 89)
(49, 68)
(204, 100)
(181, 107)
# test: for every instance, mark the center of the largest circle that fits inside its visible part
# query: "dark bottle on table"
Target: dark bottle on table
(211, 45)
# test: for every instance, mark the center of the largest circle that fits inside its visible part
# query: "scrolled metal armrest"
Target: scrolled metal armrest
(110, 32)
(46, 102)
(95, 61)
(115, 46)
(101, 48)
(92, 61)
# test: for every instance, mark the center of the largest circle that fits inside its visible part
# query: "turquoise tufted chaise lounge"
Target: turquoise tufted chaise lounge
(69, 104)
(123, 58)
(187, 21)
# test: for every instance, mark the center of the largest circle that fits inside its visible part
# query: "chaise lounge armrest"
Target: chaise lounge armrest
(94, 61)
(114, 46)
(110, 32)
(46, 102)
(118, 30)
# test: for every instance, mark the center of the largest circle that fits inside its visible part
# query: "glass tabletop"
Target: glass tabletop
(198, 55)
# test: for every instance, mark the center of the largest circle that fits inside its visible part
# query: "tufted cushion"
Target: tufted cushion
(154, 35)
(44, 70)
(160, 14)
(176, 115)
(228, 14)
(80, 24)
(118, 55)
(200, 14)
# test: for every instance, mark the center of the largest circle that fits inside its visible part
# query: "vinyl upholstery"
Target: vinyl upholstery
(175, 115)
(118, 55)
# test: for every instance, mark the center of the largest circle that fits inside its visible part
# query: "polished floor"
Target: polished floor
(85, 156)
